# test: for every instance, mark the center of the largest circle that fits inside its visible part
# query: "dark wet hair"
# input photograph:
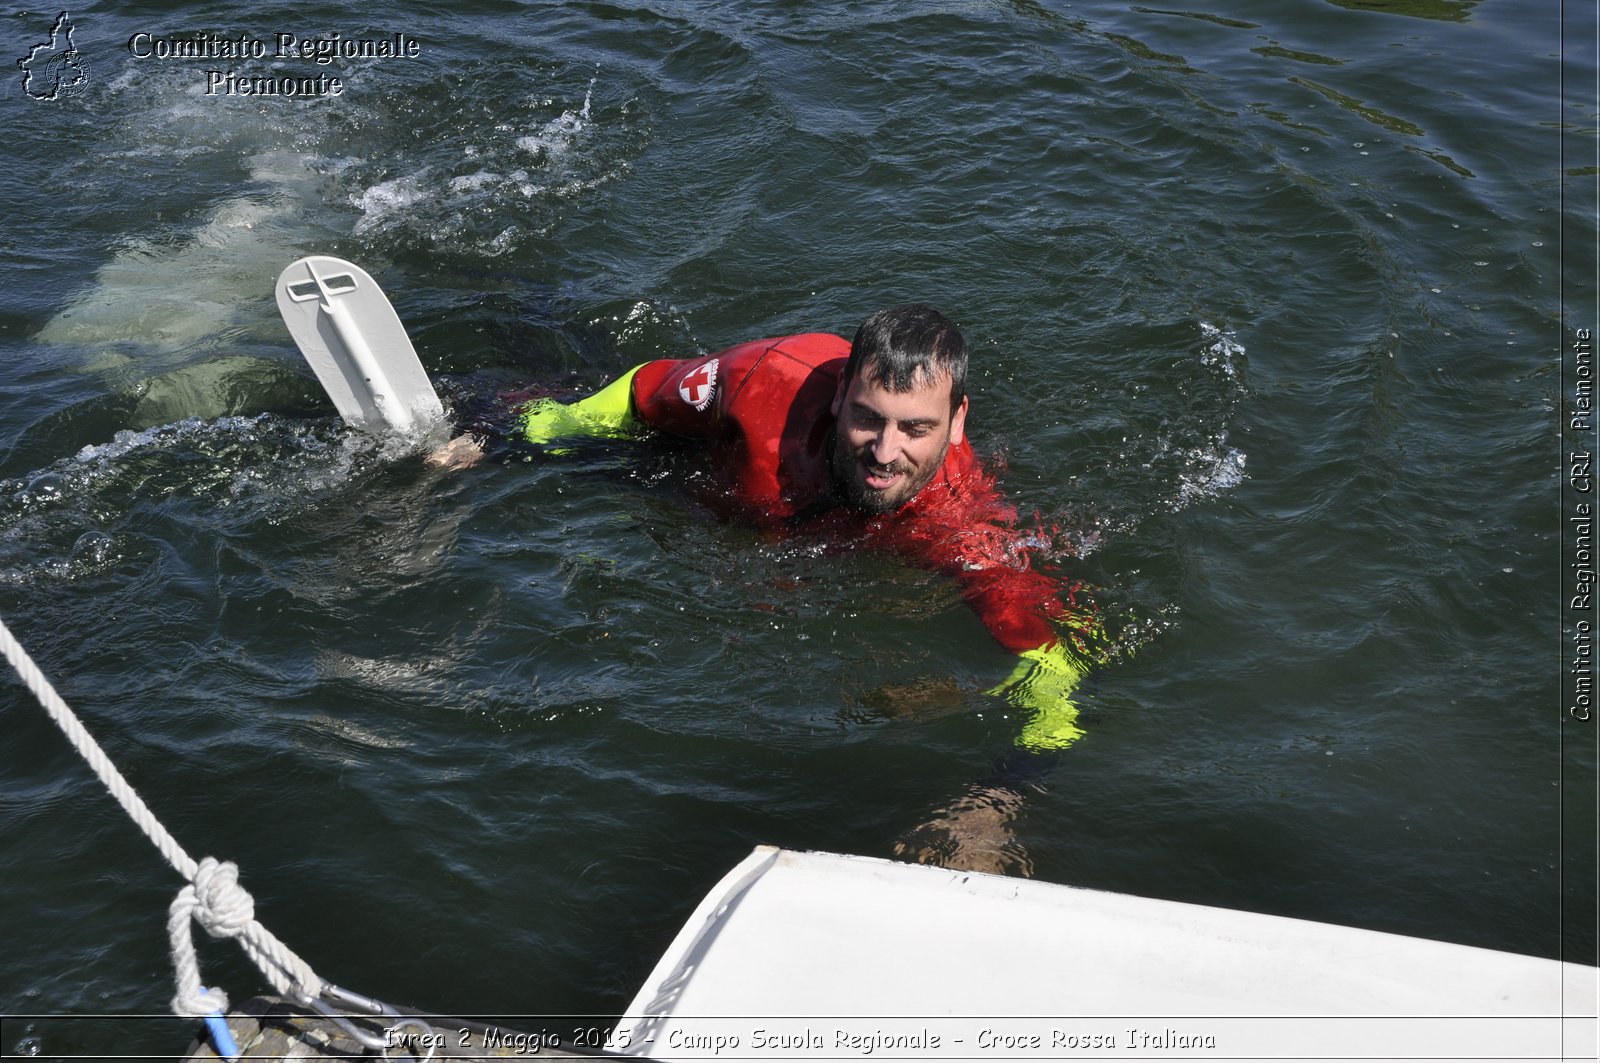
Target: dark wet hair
(905, 346)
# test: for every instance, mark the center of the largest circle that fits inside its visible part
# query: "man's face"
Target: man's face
(888, 444)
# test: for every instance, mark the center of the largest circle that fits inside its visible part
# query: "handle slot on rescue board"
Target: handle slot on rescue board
(354, 342)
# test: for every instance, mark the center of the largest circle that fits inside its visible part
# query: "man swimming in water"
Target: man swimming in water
(864, 442)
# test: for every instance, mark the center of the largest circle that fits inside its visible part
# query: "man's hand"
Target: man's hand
(460, 453)
(973, 834)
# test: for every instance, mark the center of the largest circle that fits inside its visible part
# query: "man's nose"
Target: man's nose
(885, 445)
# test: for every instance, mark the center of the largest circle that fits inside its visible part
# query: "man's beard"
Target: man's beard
(850, 483)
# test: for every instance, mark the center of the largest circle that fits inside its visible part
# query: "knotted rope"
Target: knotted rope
(213, 898)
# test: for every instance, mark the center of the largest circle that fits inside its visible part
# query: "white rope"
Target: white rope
(214, 898)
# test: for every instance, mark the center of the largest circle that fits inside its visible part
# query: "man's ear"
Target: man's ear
(958, 423)
(838, 397)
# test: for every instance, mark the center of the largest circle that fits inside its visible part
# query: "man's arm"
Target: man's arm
(1039, 618)
(1053, 633)
(975, 831)
(674, 395)
(1043, 684)
(607, 413)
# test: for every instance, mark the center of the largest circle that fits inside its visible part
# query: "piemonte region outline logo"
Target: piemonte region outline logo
(54, 69)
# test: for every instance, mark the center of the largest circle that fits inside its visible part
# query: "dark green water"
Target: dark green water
(1268, 302)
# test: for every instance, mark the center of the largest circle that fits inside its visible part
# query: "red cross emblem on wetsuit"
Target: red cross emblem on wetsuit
(697, 387)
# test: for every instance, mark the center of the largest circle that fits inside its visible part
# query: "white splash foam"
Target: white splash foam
(559, 134)
(1223, 351)
(383, 203)
(1208, 471)
(550, 164)
(472, 181)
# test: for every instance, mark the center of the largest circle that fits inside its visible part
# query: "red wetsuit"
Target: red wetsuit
(766, 408)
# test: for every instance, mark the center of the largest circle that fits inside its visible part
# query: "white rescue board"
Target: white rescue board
(355, 343)
(814, 955)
